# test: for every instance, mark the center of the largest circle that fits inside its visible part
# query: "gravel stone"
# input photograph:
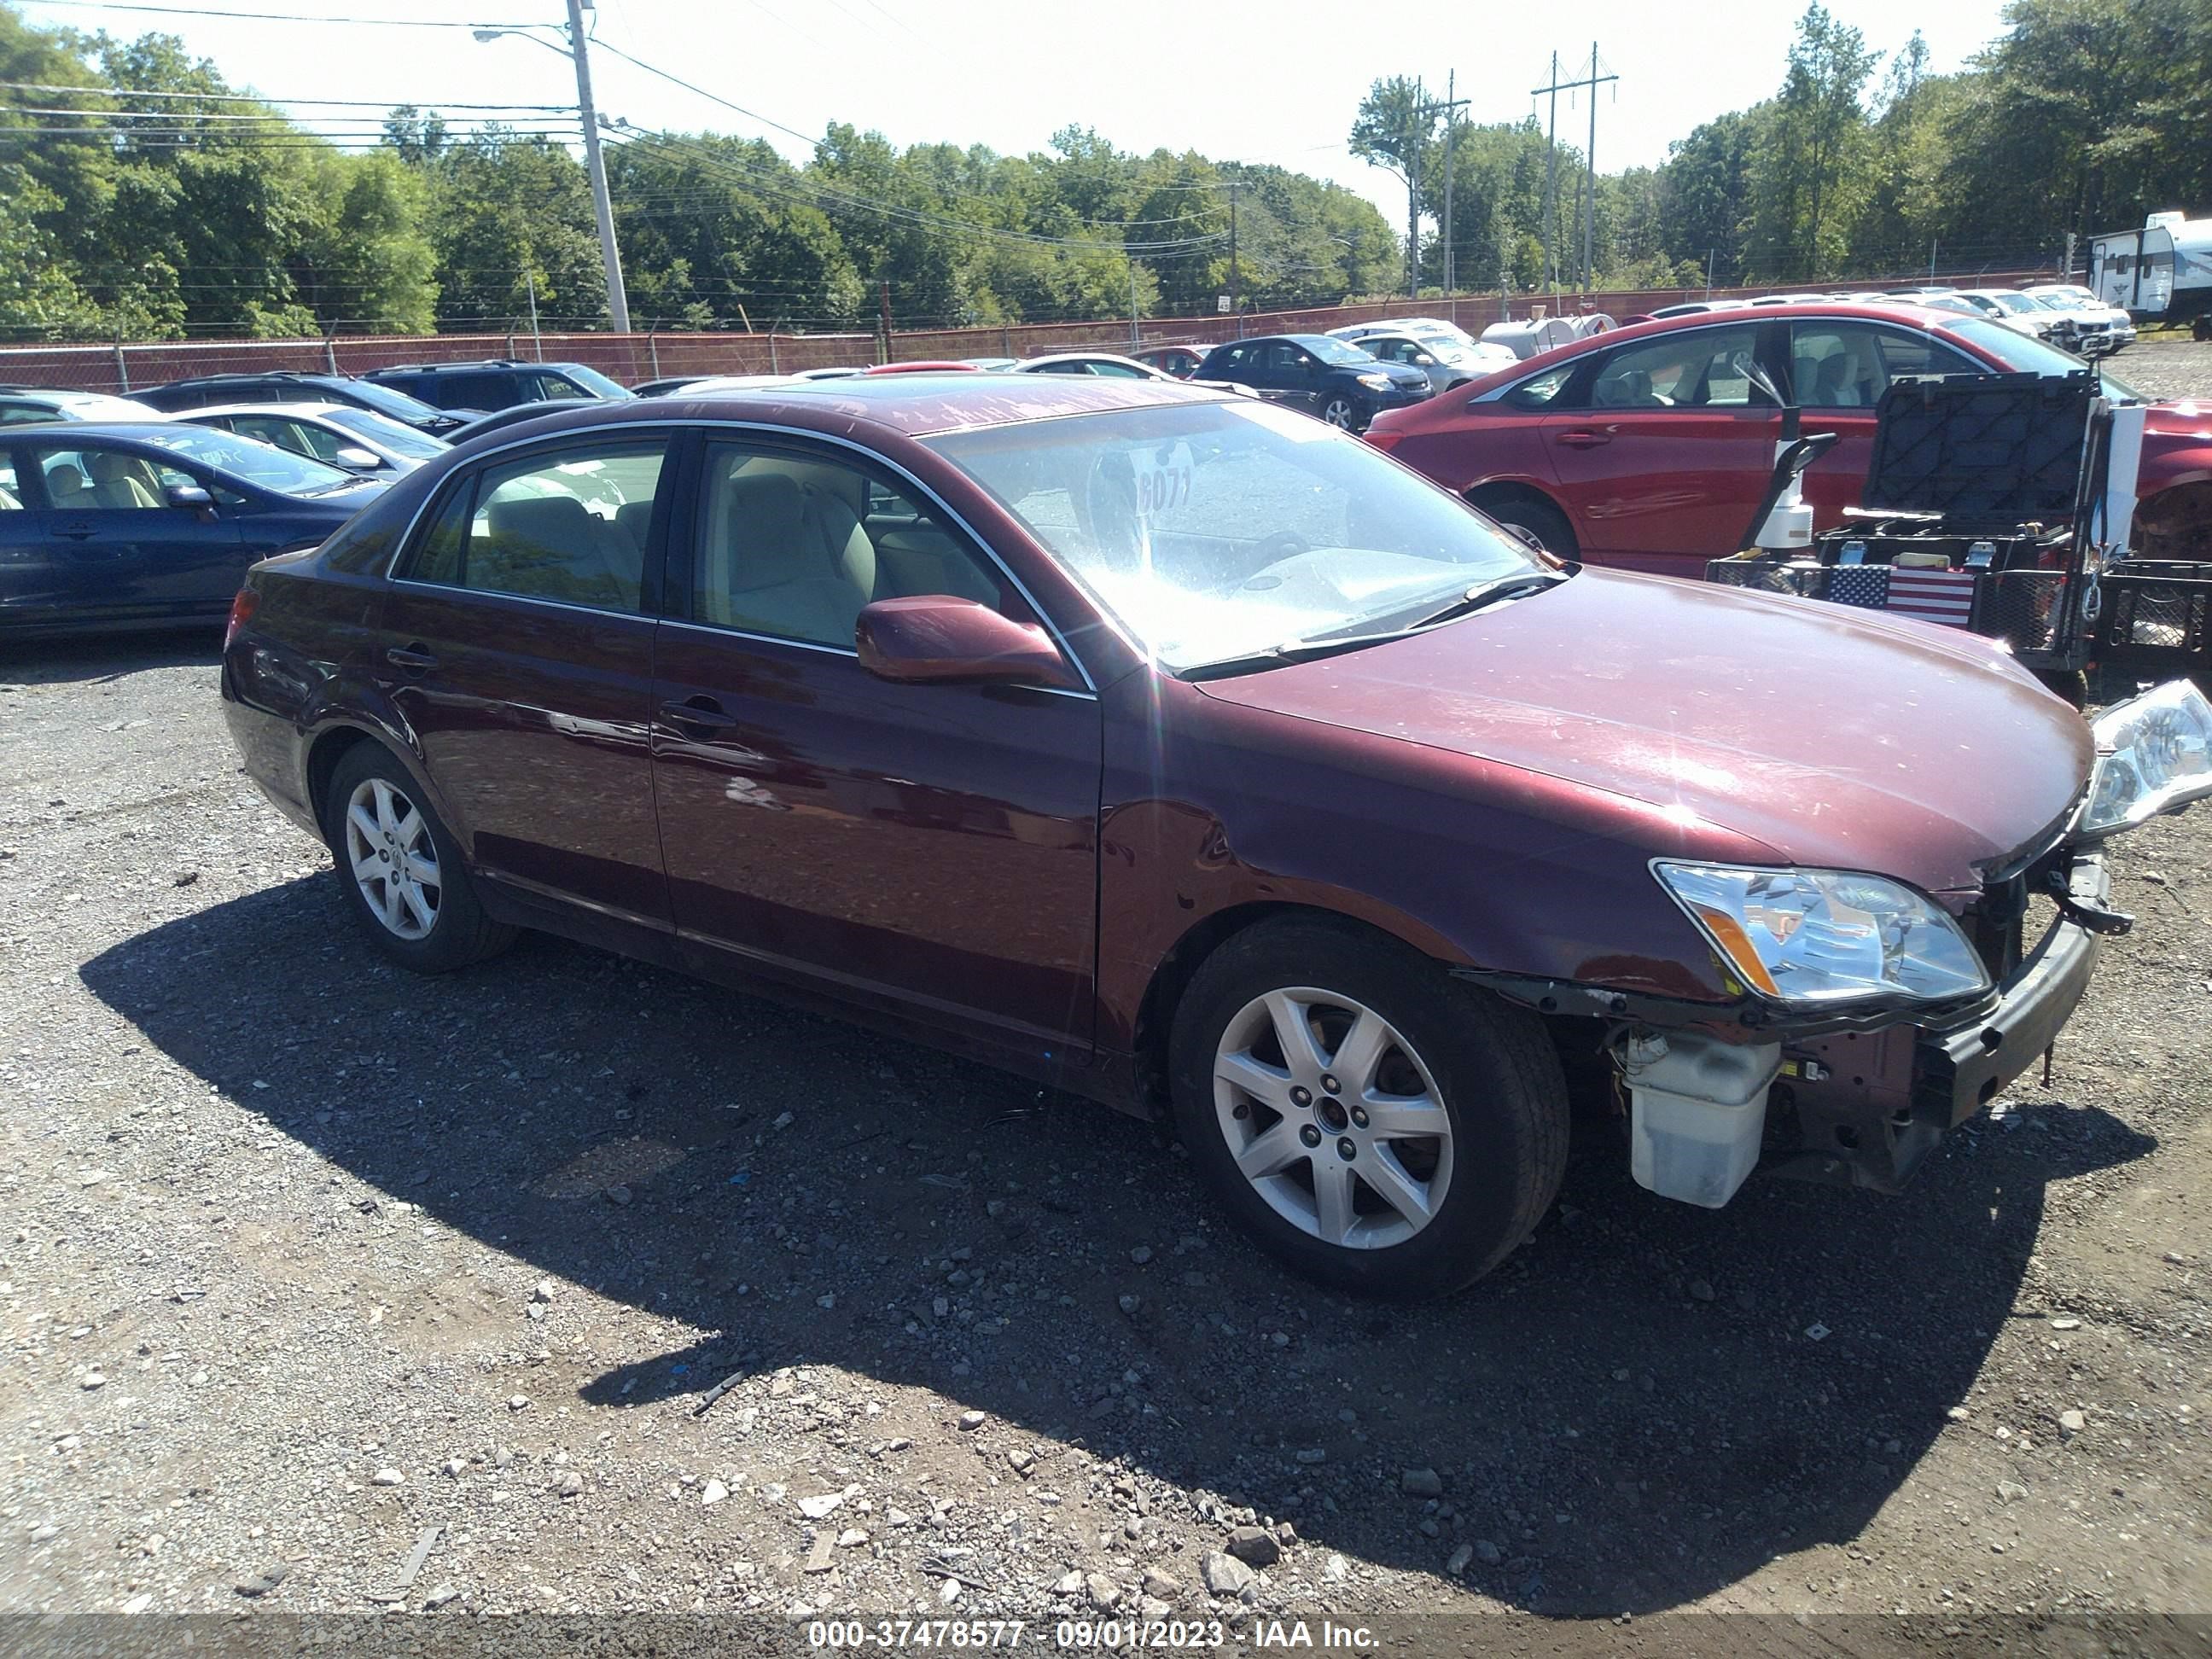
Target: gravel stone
(1223, 1575)
(1255, 1546)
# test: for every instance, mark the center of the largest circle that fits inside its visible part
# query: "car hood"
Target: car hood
(1837, 738)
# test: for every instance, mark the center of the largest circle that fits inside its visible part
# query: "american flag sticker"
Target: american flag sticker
(1935, 596)
(1866, 585)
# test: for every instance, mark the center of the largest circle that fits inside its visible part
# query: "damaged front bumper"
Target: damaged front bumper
(1857, 1097)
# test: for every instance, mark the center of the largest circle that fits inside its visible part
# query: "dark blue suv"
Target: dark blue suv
(1340, 383)
(135, 524)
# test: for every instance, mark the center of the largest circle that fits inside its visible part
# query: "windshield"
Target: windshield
(2017, 351)
(261, 464)
(1334, 351)
(1217, 530)
(398, 404)
(395, 435)
(596, 383)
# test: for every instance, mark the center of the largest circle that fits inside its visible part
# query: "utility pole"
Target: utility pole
(1236, 298)
(1593, 81)
(536, 340)
(1451, 107)
(617, 296)
(1589, 161)
(886, 292)
(1132, 263)
(1419, 112)
(1552, 178)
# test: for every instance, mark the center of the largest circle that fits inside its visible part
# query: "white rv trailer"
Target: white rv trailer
(2160, 273)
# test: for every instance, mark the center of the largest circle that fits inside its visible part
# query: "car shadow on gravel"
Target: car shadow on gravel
(1645, 1405)
(96, 657)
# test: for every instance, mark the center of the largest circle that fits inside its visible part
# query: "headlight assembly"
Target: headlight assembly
(1374, 382)
(2154, 754)
(1822, 937)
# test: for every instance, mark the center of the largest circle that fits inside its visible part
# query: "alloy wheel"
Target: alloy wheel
(1332, 1117)
(1339, 412)
(394, 859)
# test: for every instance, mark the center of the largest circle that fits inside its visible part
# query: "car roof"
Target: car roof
(913, 406)
(442, 367)
(253, 374)
(78, 431)
(1888, 311)
(302, 408)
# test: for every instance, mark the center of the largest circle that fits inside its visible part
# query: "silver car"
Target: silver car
(353, 439)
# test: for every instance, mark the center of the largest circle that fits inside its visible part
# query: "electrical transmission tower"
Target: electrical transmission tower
(1589, 197)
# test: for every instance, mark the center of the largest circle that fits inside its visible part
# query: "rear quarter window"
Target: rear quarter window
(1545, 391)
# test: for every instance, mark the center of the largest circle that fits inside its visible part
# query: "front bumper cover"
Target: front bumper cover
(1864, 1095)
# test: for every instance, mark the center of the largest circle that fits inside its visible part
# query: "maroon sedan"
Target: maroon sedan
(1180, 360)
(1649, 448)
(1176, 750)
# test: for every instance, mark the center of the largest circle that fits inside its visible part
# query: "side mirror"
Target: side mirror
(191, 498)
(937, 636)
(1422, 360)
(353, 455)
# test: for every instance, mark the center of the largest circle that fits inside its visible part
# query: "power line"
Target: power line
(257, 98)
(211, 15)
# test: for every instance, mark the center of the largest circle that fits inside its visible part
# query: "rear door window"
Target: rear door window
(572, 526)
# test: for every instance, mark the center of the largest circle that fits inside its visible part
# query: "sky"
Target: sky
(1272, 83)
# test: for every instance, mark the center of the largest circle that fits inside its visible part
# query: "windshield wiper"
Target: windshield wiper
(1475, 599)
(1489, 592)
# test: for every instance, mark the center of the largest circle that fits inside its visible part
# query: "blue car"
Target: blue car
(143, 523)
(1340, 383)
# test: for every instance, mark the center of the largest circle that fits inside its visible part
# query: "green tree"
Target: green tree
(1809, 175)
(1394, 129)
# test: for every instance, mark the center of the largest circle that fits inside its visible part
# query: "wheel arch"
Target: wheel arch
(1172, 974)
(329, 746)
(1502, 490)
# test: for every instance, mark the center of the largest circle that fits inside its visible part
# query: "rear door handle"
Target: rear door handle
(698, 711)
(412, 658)
(76, 532)
(1584, 440)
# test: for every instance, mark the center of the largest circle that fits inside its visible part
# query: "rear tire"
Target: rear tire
(400, 871)
(1414, 1172)
(1541, 520)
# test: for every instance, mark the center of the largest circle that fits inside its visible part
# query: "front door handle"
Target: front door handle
(413, 658)
(76, 532)
(1584, 439)
(698, 711)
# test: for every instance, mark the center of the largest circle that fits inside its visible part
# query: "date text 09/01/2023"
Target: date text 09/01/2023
(1110, 1633)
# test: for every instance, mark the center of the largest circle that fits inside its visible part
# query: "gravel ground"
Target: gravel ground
(303, 1257)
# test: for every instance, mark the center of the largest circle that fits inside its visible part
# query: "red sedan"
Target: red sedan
(1180, 360)
(1649, 447)
(1177, 750)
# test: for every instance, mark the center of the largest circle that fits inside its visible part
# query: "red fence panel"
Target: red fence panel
(635, 357)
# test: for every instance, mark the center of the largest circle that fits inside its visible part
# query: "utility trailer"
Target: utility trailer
(2161, 273)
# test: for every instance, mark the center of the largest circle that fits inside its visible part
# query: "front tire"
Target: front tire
(1344, 411)
(1369, 1121)
(400, 870)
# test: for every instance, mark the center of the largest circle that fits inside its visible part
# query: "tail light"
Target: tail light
(241, 612)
